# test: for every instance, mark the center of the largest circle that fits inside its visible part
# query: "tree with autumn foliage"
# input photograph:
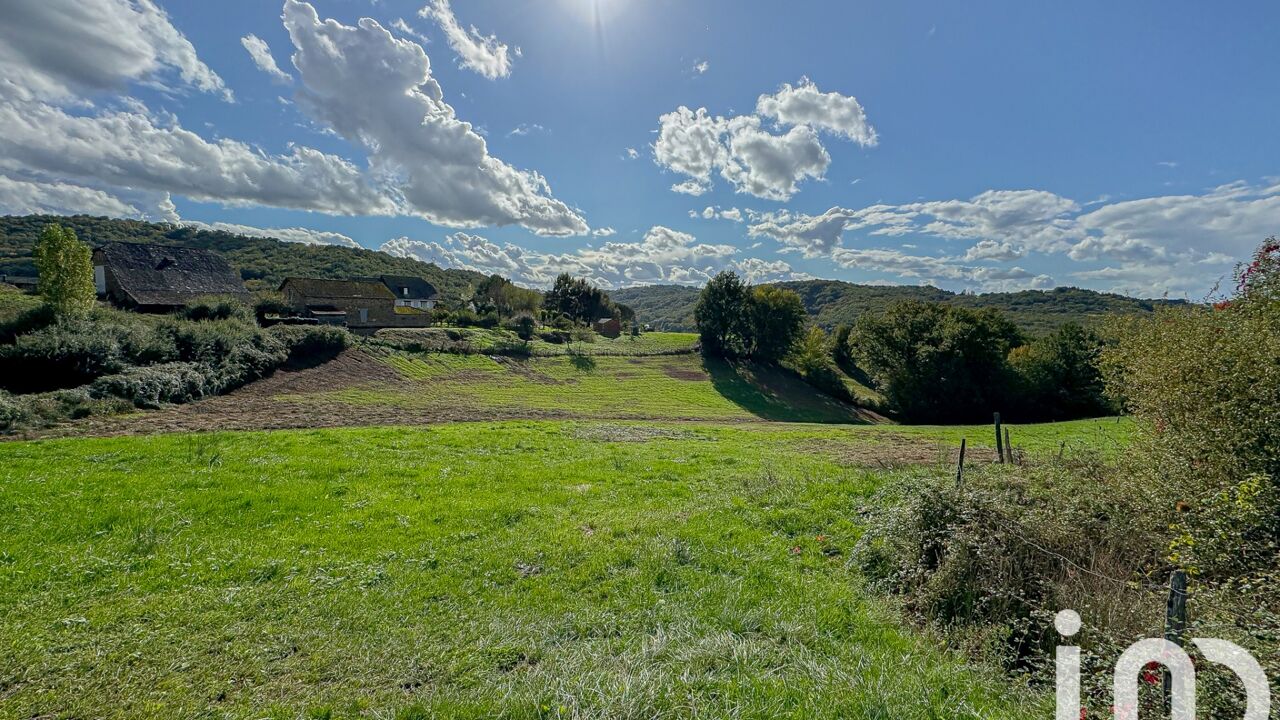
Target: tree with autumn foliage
(65, 266)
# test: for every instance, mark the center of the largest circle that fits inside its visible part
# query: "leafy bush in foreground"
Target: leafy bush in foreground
(311, 342)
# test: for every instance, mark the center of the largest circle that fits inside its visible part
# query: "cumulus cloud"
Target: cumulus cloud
(604, 232)
(1178, 244)
(750, 157)
(932, 270)
(60, 49)
(484, 54)
(701, 67)
(772, 166)
(26, 197)
(804, 104)
(377, 90)
(304, 236)
(260, 53)
(663, 256)
(714, 212)
(133, 150)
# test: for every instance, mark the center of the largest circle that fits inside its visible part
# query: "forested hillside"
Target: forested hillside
(832, 302)
(262, 262)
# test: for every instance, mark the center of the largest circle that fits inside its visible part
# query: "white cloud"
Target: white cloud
(404, 27)
(690, 143)
(26, 197)
(58, 49)
(772, 166)
(701, 67)
(132, 150)
(934, 270)
(754, 160)
(632, 154)
(1179, 244)
(483, 54)
(260, 53)
(713, 212)
(664, 256)
(377, 90)
(691, 187)
(804, 104)
(304, 236)
(604, 232)
(522, 129)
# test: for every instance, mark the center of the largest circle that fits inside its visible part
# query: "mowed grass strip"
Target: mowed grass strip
(533, 570)
(685, 387)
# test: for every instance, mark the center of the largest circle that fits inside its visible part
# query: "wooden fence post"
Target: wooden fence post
(1008, 446)
(960, 465)
(1175, 622)
(999, 441)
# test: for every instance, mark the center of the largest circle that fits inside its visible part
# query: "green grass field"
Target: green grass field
(488, 341)
(523, 569)
(671, 387)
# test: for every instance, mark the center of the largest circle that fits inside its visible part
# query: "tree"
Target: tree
(65, 266)
(1058, 377)
(936, 363)
(775, 320)
(505, 299)
(525, 326)
(719, 315)
(578, 300)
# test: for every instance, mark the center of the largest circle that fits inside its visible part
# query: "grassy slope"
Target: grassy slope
(480, 340)
(684, 387)
(520, 569)
(833, 303)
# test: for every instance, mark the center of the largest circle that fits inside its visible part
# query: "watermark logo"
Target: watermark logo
(1182, 672)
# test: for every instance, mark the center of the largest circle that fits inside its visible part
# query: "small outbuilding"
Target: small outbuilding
(610, 327)
(352, 302)
(160, 278)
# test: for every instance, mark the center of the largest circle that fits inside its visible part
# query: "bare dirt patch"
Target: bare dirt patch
(890, 450)
(677, 373)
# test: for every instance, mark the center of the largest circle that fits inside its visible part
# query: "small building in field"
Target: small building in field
(338, 302)
(610, 327)
(411, 292)
(25, 283)
(160, 278)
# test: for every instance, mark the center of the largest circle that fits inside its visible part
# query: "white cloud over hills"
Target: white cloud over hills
(663, 256)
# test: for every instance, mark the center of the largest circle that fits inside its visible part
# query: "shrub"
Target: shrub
(151, 387)
(11, 413)
(66, 354)
(555, 337)
(311, 342)
(36, 318)
(812, 359)
(216, 308)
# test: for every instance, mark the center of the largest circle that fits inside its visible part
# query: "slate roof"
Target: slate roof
(419, 289)
(160, 275)
(351, 289)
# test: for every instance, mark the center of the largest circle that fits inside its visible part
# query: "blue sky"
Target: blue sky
(983, 146)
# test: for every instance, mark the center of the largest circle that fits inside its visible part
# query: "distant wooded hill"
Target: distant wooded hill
(832, 302)
(262, 262)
